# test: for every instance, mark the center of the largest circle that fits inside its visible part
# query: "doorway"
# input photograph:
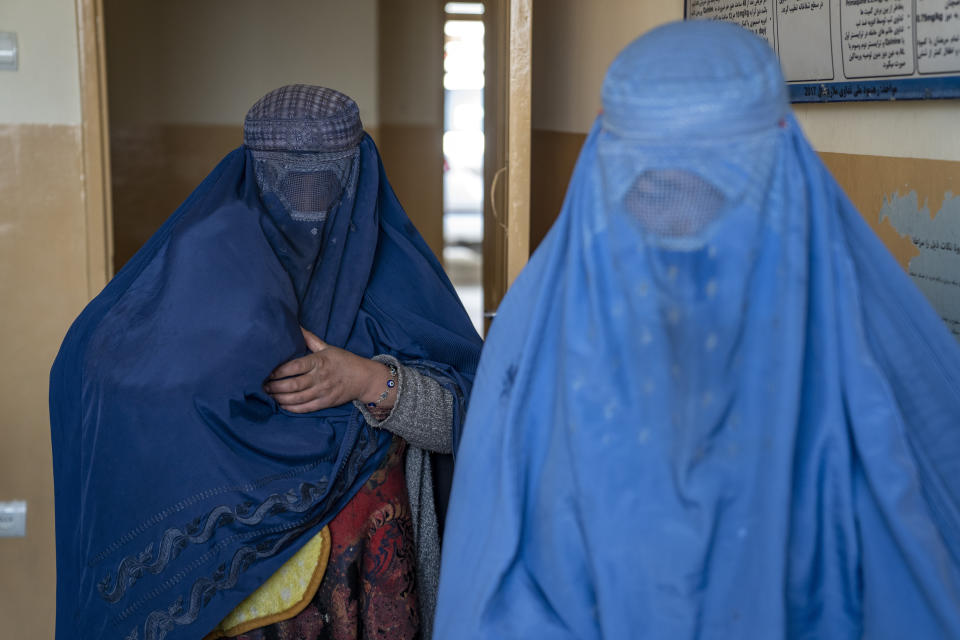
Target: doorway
(463, 150)
(181, 77)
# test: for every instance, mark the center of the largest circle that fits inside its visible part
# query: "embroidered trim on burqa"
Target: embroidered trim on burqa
(114, 586)
(197, 497)
(161, 621)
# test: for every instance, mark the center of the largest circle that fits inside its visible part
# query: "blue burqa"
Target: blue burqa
(712, 406)
(180, 484)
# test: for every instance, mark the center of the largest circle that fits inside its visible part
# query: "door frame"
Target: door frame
(507, 125)
(95, 132)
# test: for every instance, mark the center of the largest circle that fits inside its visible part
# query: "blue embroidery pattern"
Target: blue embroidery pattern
(185, 609)
(112, 588)
(161, 622)
(198, 497)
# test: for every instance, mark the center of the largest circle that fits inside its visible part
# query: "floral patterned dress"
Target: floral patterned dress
(369, 588)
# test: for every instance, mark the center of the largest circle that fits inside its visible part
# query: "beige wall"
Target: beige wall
(573, 44)
(182, 74)
(43, 285)
(410, 134)
(868, 146)
(410, 40)
(188, 62)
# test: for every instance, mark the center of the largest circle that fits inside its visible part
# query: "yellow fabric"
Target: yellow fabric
(285, 594)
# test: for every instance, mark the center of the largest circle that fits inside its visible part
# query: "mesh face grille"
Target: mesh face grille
(310, 193)
(673, 203)
(308, 185)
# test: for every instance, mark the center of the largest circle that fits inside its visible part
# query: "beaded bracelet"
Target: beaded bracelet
(391, 383)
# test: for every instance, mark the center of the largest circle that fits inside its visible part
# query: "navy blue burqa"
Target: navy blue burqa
(180, 484)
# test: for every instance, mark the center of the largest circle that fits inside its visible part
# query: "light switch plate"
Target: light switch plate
(13, 519)
(9, 52)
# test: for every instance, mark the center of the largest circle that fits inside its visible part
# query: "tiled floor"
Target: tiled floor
(463, 265)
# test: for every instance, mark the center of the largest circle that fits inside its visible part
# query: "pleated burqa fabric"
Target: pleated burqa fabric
(712, 406)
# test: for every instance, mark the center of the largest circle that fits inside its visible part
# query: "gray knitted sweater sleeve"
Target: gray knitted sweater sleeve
(423, 412)
(423, 416)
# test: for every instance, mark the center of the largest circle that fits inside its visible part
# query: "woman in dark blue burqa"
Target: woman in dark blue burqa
(712, 406)
(188, 466)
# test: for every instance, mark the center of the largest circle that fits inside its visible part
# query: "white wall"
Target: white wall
(217, 57)
(46, 88)
(575, 41)
(908, 129)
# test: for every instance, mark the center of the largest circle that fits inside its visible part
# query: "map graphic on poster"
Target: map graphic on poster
(854, 49)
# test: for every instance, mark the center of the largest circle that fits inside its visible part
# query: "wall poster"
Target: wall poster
(841, 50)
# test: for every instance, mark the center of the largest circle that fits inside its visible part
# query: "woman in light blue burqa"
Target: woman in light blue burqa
(713, 406)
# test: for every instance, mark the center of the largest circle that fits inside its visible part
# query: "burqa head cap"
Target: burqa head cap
(303, 118)
(691, 118)
(694, 81)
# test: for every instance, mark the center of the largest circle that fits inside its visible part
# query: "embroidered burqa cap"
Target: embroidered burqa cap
(303, 118)
(712, 406)
(180, 484)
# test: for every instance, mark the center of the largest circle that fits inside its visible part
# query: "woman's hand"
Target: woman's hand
(328, 377)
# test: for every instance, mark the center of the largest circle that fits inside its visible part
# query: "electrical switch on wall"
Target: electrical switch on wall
(9, 53)
(13, 519)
